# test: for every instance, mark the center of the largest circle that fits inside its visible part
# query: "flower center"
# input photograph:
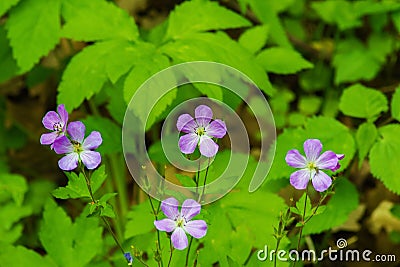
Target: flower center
(77, 146)
(180, 222)
(200, 131)
(57, 127)
(312, 166)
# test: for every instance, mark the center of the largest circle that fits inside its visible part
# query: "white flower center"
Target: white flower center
(77, 146)
(180, 222)
(312, 166)
(57, 127)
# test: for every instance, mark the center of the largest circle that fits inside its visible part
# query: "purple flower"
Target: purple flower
(200, 131)
(57, 123)
(312, 165)
(181, 222)
(78, 149)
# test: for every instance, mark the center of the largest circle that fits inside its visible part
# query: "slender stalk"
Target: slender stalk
(170, 253)
(278, 241)
(155, 212)
(118, 171)
(205, 181)
(102, 217)
(302, 224)
(188, 251)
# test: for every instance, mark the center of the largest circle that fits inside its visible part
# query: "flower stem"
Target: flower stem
(158, 247)
(102, 217)
(278, 241)
(170, 253)
(205, 181)
(188, 251)
(302, 224)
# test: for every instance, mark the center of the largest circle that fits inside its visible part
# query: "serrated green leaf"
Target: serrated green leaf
(383, 157)
(110, 133)
(33, 29)
(267, 13)
(107, 211)
(5, 5)
(334, 136)
(67, 243)
(10, 214)
(300, 206)
(282, 60)
(8, 65)
(140, 220)
(337, 210)
(200, 16)
(365, 137)
(370, 102)
(395, 104)
(218, 47)
(77, 187)
(254, 38)
(20, 256)
(93, 20)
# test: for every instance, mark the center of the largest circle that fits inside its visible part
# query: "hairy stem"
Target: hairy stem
(188, 251)
(302, 224)
(205, 181)
(155, 212)
(170, 253)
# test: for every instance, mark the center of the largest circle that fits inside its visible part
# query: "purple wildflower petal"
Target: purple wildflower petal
(69, 162)
(48, 138)
(179, 239)
(63, 114)
(93, 141)
(295, 159)
(203, 115)
(166, 225)
(337, 167)
(197, 228)
(190, 208)
(76, 130)
(186, 123)
(128, 257)
(328, 160)
(340, 156)
(91, 159)
(216, 128)
(50, 119)
(321, 181)
(63, 145)
(299, 179)
(170, 208)
(208, 147)
(312, 148)
(188, 142)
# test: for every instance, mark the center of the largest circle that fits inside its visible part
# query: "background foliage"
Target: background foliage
(329, 70)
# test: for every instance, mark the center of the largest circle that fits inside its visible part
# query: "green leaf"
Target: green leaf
(15, 185)
(334, 136)
(10, 214)
(254, 38)
(365, 137)
(110, 133)
(5, 5)
(87, 71)
(77, 187)
(383, 157)
(395, 104)
(20, 256)
(218, 47)
(33, 29)
(337, 210)
(93, 20)
(282, 60)
(185, 180)
(309, 105)
(67, 243)
(370, 102)
(200, 16)
(8, 65)
(353, 61)
(267, 12)
(140, 220)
